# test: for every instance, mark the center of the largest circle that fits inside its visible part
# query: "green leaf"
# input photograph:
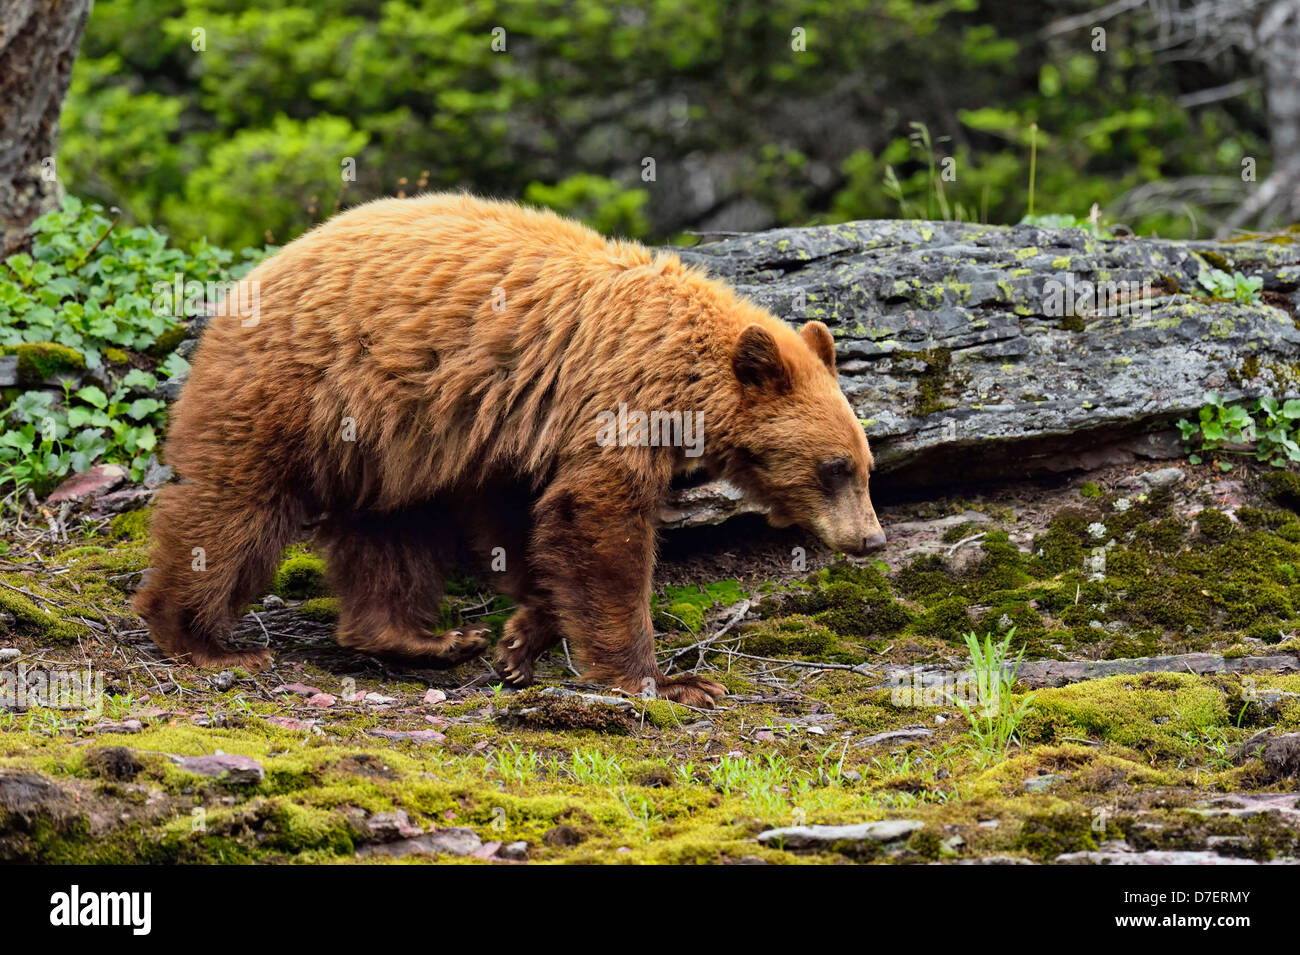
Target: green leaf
(92, 395)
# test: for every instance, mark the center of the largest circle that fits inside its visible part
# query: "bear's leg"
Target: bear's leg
(593, 552)
(386, 570)
(214, 551)
(499, 536)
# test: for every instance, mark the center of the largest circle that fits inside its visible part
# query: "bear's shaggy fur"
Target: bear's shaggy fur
(423, 384)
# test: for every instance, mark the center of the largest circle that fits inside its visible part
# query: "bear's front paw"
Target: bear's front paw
(692, 690)
(513, 661)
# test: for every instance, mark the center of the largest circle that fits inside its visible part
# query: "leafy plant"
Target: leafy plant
(1232, 288)
(1264, 428)
(994, 715)
(85, 295)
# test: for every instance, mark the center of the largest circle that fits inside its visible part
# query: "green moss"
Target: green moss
(37, 624)
(1064, 544)
(130, 525)
(948, 620)
(678, 614)
(665, 714)
(1149, 712)
(41, 361)
(792, 637)
(1284, 487)
(116, 355)
(534, 709)
(1214, 525)
(1048, 835)
(300, 576)
(167, 342)
(685, 607)
(932, 380)
(1090, 489)
(324, 609)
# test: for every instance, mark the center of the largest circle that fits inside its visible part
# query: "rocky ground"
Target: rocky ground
(1158, 608)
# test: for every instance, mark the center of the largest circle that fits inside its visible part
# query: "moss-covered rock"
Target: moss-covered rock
(39, 362)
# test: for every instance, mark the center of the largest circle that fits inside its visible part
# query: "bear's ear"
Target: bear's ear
(818, 337)
(757, 360)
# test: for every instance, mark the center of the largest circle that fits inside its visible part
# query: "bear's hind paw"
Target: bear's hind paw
(692, 690)
(250, 660)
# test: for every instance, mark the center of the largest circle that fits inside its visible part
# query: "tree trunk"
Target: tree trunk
(38, 42)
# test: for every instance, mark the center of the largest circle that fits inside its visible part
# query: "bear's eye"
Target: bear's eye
(834, 473)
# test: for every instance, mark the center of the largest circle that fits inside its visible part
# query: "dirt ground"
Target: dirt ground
(843, 737)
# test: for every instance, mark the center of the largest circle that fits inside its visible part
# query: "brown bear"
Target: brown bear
(428, 379)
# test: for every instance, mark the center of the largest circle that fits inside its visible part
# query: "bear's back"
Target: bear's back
(447, 333)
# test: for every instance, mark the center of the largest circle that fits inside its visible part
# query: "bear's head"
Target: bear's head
(799, 447)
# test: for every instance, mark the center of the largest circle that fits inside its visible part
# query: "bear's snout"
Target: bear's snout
(865, 545)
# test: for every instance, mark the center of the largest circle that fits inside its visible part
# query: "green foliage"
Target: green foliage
(1271, 430)
(600, 202)
(81, 298)
(247, 134)
(1231, 288)
(995, 715)
(1061, 220)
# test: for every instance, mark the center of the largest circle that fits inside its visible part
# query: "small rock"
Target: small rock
(452, 841)
(118, 502)
(223, 680)
(897, 736)
(125, 726)
(379, 699)
(170, 389)
(419, 736)
(1040, 784)
(289, 723)
(618, 701)
(321, 699)
(297, 689)
(812, 837)
(434, 696)
(9, 653)
(100, 479)
(390, 826)
(225, 766)
(513, 851)
(156, 474)
(273, 602)
(1154, 479)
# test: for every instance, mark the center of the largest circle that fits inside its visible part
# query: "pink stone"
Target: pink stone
(100, 479)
